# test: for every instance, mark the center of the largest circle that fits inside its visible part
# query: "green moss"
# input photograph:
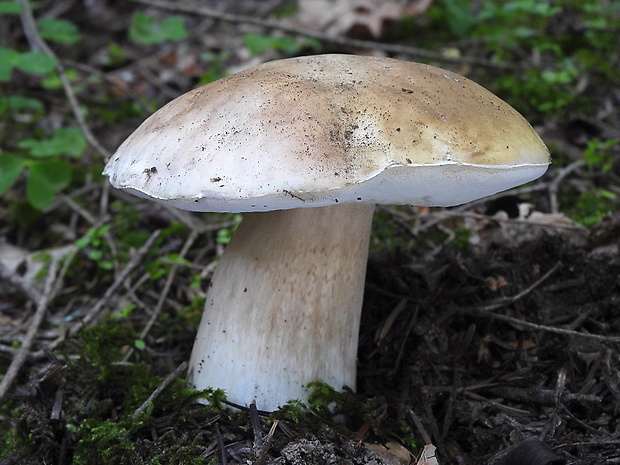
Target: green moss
(591, 206)
(325, 404)
(99, 423)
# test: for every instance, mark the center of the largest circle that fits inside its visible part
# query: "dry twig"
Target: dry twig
(164, 293)
(20, 357)
(502, 302)
(554, 186)
(37, 43)
(93, 314)
(164, 384)
(552, 329)
(488, 309)
(341, 41)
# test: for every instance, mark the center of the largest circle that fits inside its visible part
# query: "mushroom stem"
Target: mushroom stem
(284, 305)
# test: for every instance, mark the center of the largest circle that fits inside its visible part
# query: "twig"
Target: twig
(77, 208)
(21, 356)
(478, 216)
(401, 349)
(37, 43)
(261, 445)
(120, 279)
(220, 444)
(57, 406)
(341, 41)
(164, 293)
(512, 299)
(439, 215)
(551, 329)
(67, 259)
(554, 186)
(171, 275)
(517, 191)
(261, 456)
(120, 84)
(90, 219)
(256, 426)
(171, 377)
(418, 424)
(488, 309)
(530, 450)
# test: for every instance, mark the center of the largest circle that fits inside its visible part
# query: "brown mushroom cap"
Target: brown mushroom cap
(327, 129)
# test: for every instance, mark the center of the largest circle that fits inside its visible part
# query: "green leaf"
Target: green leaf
(68, 141)
(124, 313)
(105, 264)
(95, 254)
(117, 55)
(8, 58)
(16, 103)
(35, 63)
(598, 155)
(45, 178)
(82, 242)
(174, 28)
(71, 140)
(11, 167)
(314, 44)
(10, 8)
(58, 30)
(259, 43)
(459, 17)
(148, 31)
(52, 80)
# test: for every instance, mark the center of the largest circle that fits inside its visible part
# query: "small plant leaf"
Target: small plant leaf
(10, 8)
(259, 43)
(35, 63)
(53, 81)
(20, 103)
(11, 167)
(174, 28)
(45, 178)
(69, 141)
(148, 31)
(58, 30)
(8, 58)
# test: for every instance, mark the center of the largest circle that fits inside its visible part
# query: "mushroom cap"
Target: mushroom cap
(320, 130)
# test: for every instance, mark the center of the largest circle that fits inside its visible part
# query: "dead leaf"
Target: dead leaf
(361, 19)
(392, 452)
(428, 457)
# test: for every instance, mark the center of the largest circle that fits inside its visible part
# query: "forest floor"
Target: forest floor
(491, 330)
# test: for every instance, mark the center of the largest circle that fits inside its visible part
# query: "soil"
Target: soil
(485, 366)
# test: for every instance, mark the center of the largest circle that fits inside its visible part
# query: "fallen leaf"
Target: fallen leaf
(391, 451)
(362, 19)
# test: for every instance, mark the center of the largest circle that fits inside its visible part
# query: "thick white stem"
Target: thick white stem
(284, 305)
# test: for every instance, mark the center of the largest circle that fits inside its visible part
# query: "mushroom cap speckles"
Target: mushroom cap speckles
(315, 131)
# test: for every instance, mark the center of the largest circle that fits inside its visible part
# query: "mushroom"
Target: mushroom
(307, 147)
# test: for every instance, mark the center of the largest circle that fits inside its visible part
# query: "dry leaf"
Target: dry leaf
(354, 18)
(392, 452)
(428, 457)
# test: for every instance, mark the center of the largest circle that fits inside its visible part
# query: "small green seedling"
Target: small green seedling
(147, 30)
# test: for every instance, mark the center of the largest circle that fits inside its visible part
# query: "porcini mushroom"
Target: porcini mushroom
(308, 146)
